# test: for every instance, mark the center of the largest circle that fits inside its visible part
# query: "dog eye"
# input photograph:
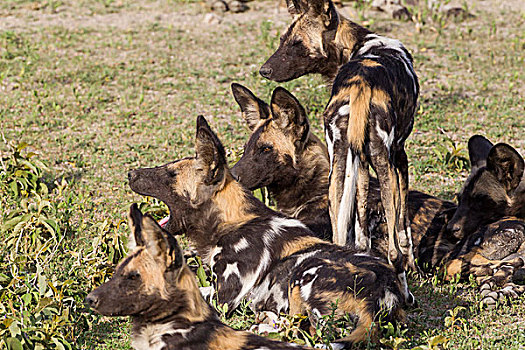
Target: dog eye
(266, 149)
(172, 173)
(135, 275)
(297, 42)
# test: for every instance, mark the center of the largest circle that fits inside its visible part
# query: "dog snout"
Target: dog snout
(131, 175)
(266, 72)
(92, 300)
(235, 175)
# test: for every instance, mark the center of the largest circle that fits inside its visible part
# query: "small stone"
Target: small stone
(237, 6)
(212, 18)
(218, 6)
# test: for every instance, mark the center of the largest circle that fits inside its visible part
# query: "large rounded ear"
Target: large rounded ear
(211, 157)
(289, 114)
(135, 226)
(507, 165)
(296, 7)
(325, 10)
(478, 151)
(253, 109)
(161, 245)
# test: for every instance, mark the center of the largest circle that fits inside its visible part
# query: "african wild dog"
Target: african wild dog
(284, 156)
(490, 220)
(495, 187)
(156, 288)
(264, 256)
(369, 117)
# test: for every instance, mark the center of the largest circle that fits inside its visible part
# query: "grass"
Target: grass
(98, 87)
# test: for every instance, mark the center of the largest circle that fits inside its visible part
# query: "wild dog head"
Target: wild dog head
(188, 183)
(306, 46)
(152, 280)
(199, 191)
(494, 188)
(279, 133)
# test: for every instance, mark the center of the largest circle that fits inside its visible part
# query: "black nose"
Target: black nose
(233, 171)
(92, 300)
(266, 72)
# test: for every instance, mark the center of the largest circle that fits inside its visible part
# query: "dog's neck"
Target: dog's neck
(228, 208)
(349, 37)
(308, 185)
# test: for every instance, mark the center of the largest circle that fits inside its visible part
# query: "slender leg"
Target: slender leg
(403, 225)
(363, 241)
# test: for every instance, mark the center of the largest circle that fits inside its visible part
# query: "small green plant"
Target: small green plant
(449, 156)
(453, 320)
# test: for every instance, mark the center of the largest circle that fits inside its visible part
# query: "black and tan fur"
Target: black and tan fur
(369, 117)
(494, 189)
(261, 255)
(490, 221)
(491, 253)
(284, 156)
(156, 288)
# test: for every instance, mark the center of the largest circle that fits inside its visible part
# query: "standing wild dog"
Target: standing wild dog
(156, 288)
(284, 156)
(369, 117)
(261, 255)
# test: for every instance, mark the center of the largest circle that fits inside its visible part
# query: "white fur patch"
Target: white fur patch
(305, 256)
(249, 280)
(231, 269)
(306, 290)
(344, 110)
(388, 301)
(387, 138)
(346, 207)
(361, 241)
(311, 271)
(210, 259)
(242, 244)
(150, 337)
(330, 146)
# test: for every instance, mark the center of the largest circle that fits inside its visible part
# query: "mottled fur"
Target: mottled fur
(156, 288)
(267, 254)
(369, 117)
(296, 175)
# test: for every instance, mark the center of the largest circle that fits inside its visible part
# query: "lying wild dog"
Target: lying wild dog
(285, 157)
(490, 220)
(368, 118)
(261, 255)
(494, 189)
(156, 288)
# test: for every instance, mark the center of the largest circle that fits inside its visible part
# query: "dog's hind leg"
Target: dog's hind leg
(390, 197)
(363, 241)
(342, 195)
(403, 225)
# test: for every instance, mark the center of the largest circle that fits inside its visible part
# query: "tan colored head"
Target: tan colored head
(279, 133)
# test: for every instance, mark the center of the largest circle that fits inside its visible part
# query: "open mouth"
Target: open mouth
(164, 221)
